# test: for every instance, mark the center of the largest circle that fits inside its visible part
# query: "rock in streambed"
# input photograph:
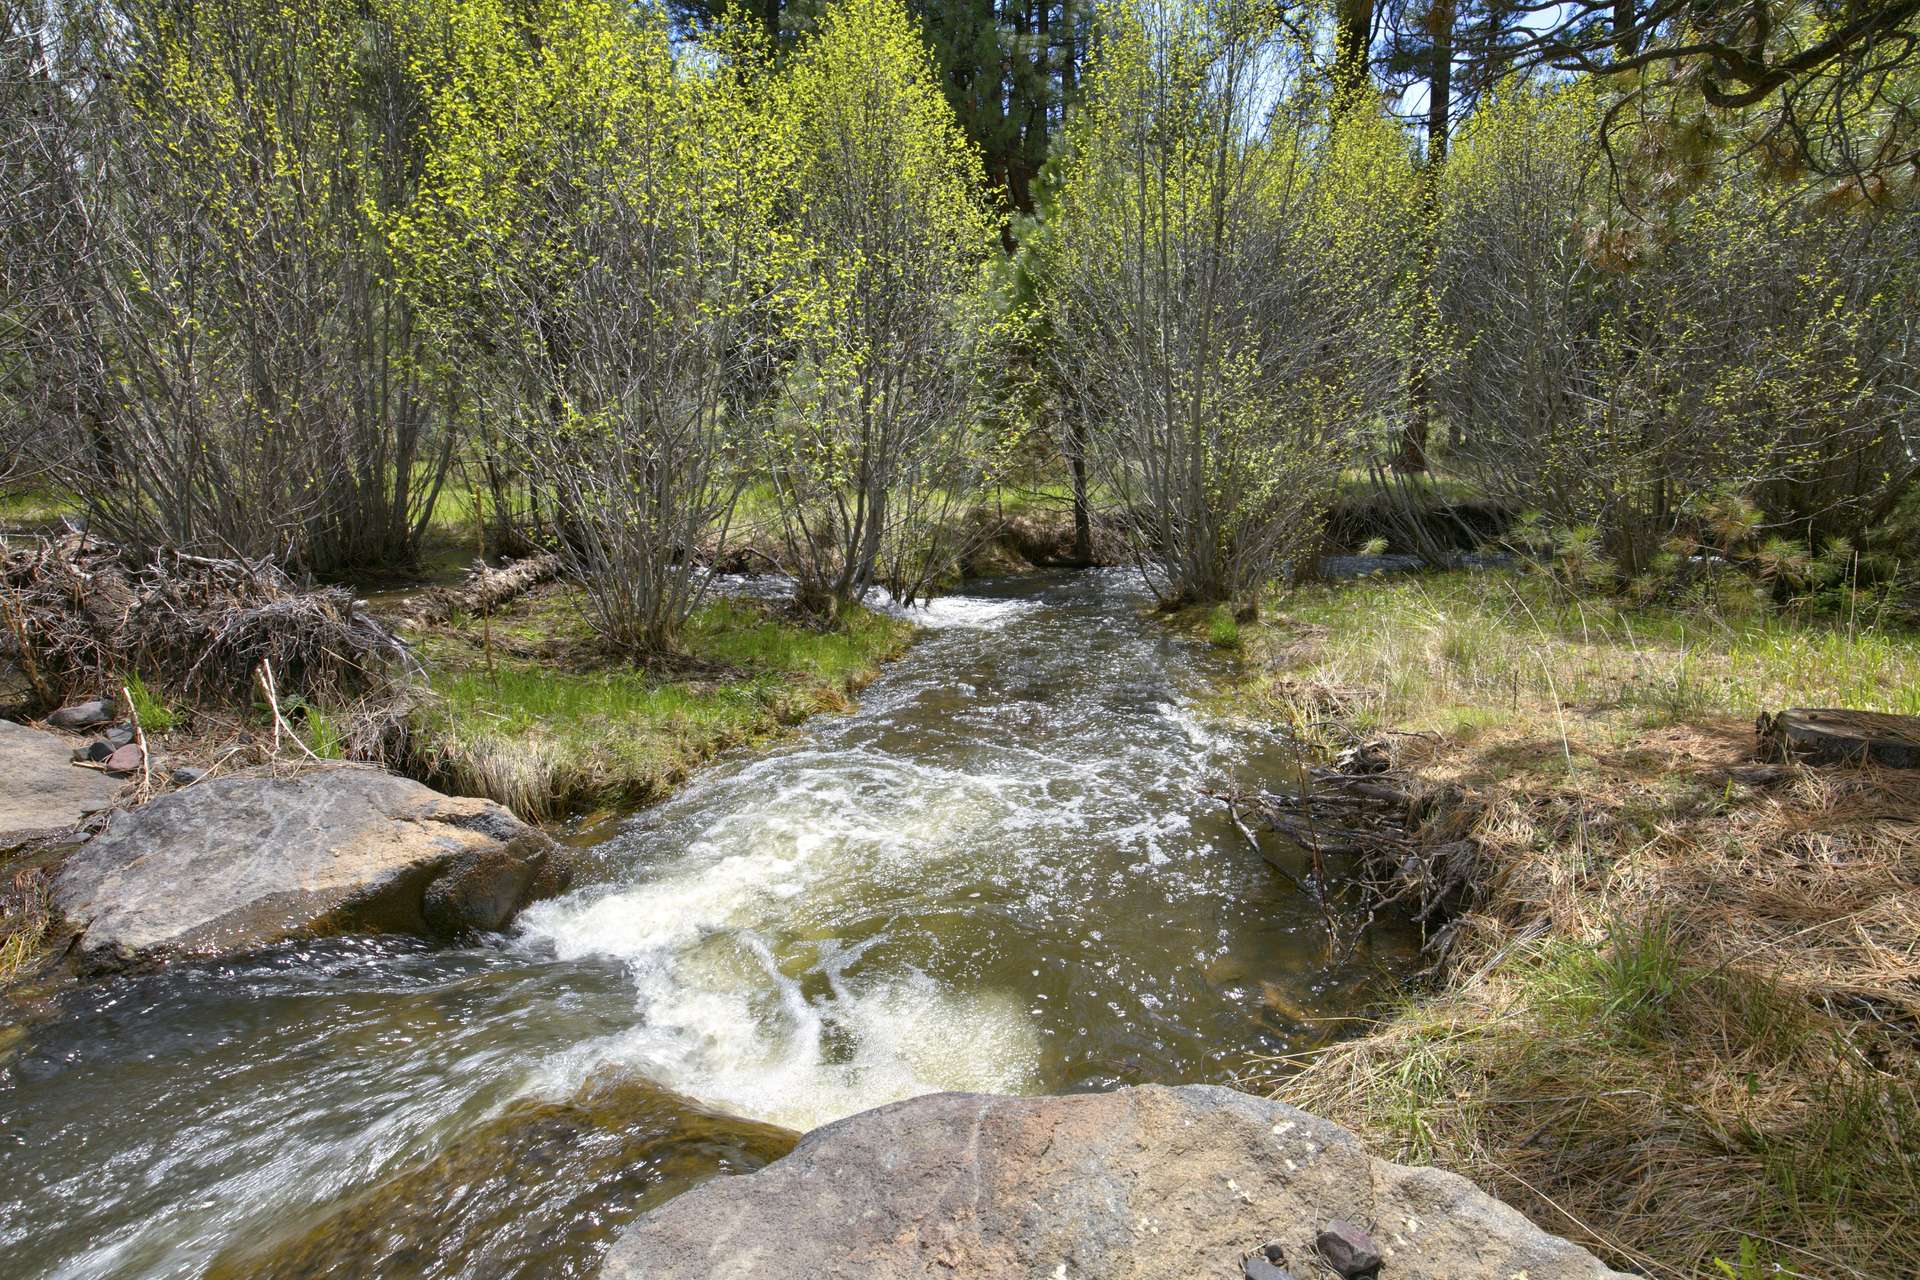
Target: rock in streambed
(1146, 1183)
(237, 864)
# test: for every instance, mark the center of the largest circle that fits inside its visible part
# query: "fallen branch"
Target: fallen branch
(264, 675)
(482, 591)
(140, 740)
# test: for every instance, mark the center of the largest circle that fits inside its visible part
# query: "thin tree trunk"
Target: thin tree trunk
(1419, 427)
(1082, 514)
(1352, 48)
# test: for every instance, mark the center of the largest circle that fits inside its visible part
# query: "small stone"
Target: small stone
(120, 735)
(1265, 1265)
(1348, 1249)
(82, 715)
(125, 759)
(185, 775)
(93, 753)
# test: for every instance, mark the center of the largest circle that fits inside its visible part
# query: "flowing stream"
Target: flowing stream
(999, 874)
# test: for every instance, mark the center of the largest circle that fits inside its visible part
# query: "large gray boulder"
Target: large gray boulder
(41, 789)
(241, 863)
(1146, 1183)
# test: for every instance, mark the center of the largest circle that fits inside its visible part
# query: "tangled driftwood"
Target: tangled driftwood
(483, 589)
(79, 616)
(1375, 841)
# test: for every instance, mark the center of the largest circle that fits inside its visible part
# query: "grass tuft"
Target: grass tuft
(153, 713)
(1222, 631)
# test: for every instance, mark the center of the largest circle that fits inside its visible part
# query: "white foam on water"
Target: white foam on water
(710, 944)
(942, 612)
(761, 1049)
(737, 934)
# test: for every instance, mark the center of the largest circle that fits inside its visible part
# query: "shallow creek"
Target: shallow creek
(999, 874)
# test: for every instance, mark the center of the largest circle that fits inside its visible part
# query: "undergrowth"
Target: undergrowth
(152, 712)
(1683, 1026)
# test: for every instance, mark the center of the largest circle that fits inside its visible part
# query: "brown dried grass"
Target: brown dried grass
(1682, 1024)
(26, 915)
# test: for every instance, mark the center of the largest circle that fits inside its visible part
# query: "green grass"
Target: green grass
(1222, 631)
(154, 715)
(1423, 645)
(30, 507)
(549, 728)
(1618, 987)
(321, 732)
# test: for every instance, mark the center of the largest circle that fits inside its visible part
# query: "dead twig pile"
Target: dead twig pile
(1375, 842)
(79, 617)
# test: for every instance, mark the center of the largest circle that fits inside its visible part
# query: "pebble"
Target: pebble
(1258, 1268)
(125, 759)
(81, 715)
(1348, 1249)
(185, 775)
(120, 735)
(94, 752)
(1266, 1263)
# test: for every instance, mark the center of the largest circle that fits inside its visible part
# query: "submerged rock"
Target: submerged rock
(43, 790)
(241, 863)
(1145, 1183)
(537, 1190)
